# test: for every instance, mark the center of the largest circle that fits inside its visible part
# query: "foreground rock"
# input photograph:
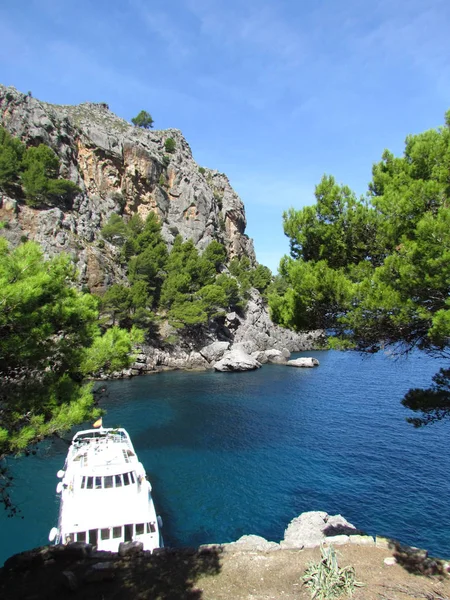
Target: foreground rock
(303, 362)
(252, 542)
(310, 529)
(237, 359)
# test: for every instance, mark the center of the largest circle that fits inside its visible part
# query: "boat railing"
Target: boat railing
(118, 436)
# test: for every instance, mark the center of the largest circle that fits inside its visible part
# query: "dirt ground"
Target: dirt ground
(278, 575)
(215, 574)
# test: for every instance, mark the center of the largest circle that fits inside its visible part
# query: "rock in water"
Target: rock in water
(303, 362)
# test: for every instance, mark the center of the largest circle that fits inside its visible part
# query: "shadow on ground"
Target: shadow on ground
(417, 561)
(170, 574)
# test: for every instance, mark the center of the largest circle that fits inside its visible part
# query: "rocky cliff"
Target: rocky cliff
(126, 170)
(119, 168)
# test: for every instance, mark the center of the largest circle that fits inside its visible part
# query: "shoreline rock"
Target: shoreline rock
(307, 362)
(237, 359)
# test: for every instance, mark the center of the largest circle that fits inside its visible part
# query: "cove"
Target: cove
(233, 454)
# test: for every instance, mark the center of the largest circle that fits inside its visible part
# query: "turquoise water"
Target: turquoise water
(230, 454)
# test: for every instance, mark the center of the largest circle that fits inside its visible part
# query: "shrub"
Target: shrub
(115, 231)
(39, 178)
(202, 170)
(11, 152)
(170, 145)
(166, 160)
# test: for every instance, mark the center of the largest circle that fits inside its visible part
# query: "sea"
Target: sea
(230, 454)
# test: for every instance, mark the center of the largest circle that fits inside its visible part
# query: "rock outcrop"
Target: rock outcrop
(256, 332)
(312, 528)
(119, 168)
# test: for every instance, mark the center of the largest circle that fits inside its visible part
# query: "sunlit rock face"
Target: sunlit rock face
(119, 168)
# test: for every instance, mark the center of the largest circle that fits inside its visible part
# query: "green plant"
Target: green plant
(170, 145)
(162, 180)
(172, 339)
(326, 580)
(202, 170)
(143, 120)
(166, 160)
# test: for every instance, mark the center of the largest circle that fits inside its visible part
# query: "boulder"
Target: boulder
(252, 542)
(303, 362)
(275, 356)
(313, 528)
(237, 359)
(130, 548)
(214, 351)
(260, 356)
(305, 531)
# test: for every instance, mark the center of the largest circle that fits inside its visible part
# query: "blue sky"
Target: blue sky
(273, 93)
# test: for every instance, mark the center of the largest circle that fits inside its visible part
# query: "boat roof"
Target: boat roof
(101, 452)
(95, 509)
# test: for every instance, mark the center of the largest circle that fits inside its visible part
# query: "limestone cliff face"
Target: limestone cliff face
(119, 168)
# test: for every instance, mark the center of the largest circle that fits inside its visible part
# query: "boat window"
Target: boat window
(151, 527)
(93, 534)
(139, 528)
(98, 483)
(81, 536)
(117, 532)
(83, 482)
(108, 481)
(128, 533)
(105, 534)
(69, 538)
(133, 480)
(118, 481)
(126, 480)
(90, 483)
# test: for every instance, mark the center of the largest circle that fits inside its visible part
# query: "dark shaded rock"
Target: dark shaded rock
(102, 571)
(69, 580)
(127, 549)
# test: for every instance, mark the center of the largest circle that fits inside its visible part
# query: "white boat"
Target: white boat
(105, 495)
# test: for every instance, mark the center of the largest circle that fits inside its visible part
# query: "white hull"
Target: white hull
(105, 495)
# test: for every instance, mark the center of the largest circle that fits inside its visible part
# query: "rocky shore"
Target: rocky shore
(240, 343)
(251, 567)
